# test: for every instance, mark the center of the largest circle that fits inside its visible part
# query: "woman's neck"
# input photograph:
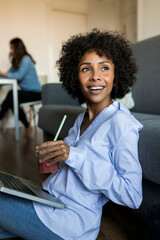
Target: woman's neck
(95, 109)
(91, 113)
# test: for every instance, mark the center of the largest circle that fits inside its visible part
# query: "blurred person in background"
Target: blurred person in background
(23, 70)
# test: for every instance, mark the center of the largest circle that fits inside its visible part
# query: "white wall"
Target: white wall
(79, 6)
(104, 14)
(129, 19)
(148, 18)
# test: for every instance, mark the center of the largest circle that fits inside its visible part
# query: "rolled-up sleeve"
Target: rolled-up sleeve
(117, 175)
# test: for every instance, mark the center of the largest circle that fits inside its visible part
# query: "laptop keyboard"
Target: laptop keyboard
(14, 183)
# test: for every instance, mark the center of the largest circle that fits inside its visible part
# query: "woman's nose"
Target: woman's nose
(95, 76)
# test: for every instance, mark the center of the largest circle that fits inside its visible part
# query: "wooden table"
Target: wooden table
(13, 82)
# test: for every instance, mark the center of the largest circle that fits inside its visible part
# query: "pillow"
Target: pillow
(127, 100)
(84, 105)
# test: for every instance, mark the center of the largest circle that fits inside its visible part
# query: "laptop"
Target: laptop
(27, 189)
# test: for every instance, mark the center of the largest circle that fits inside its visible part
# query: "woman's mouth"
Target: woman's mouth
(95, 89)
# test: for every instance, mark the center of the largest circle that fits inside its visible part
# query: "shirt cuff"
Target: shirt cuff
(76, 158)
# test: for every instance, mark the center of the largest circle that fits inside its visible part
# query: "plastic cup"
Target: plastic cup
(43, 168)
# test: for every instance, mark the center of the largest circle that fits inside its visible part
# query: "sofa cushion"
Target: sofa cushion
(50, 117)
(149, 146)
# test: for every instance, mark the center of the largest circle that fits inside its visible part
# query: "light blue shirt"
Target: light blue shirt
(26, 75)
(103, 165)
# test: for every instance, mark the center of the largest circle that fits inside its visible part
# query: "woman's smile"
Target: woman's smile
(95, 89)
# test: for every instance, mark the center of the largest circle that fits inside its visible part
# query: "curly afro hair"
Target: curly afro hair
(110, 44)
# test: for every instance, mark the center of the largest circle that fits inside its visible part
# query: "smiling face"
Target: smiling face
(96, 76)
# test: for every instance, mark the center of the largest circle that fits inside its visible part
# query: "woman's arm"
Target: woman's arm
(20, 73)
(118, 176)
(3, 74)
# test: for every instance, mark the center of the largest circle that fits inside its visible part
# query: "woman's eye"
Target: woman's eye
(105, 68)
(85, 69)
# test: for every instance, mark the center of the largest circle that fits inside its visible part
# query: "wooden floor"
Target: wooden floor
(19, 158)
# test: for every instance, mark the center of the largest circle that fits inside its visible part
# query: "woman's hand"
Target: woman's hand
(55, 150)
(3, 74)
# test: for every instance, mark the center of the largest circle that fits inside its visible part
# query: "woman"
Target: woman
(24, 71)
(100, 153)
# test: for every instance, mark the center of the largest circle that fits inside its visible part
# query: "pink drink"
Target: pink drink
(43, 168)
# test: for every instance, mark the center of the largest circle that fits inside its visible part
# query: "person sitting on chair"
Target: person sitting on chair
(24, 71)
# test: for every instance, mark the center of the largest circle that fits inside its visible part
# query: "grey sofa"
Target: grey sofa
(146, 94)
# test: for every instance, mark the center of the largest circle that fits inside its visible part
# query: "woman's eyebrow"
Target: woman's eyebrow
(105, 62)
(85, 63)
(88, 63)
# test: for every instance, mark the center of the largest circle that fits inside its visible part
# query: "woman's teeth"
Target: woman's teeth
(96, 88)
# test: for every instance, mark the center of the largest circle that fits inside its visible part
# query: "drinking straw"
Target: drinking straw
(60, 127)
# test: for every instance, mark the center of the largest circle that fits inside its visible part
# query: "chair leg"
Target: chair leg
(5, 121)
(30, 115)
(34, 117)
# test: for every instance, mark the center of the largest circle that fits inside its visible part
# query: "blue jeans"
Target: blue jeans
(18, 218)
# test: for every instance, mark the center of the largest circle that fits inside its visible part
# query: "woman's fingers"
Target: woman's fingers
(56, 159)
(48, 149)
(49, 155)
(57, 150)
(44, 147)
